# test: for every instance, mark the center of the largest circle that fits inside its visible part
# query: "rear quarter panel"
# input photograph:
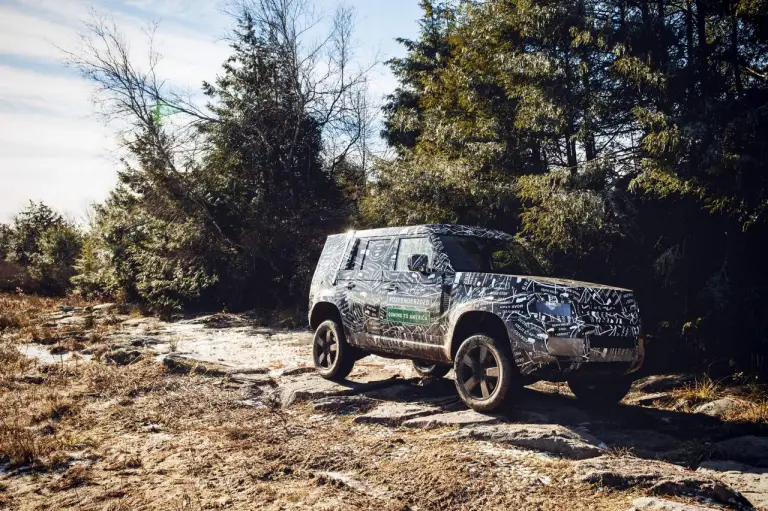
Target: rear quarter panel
(321, 288)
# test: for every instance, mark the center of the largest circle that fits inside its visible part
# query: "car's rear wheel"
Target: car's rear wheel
(430, 369)
(333, 357)
(603, 391)
(484, 373)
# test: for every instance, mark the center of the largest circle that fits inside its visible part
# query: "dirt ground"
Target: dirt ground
(104, 409)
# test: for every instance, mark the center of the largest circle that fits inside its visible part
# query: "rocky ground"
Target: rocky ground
(103, 409)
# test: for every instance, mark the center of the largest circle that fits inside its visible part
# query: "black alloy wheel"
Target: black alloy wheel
(483, 373)
(430, 369)
(332, 356)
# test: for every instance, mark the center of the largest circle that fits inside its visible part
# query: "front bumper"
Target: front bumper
(568, 354)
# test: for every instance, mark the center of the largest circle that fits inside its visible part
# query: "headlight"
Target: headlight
(554, 309)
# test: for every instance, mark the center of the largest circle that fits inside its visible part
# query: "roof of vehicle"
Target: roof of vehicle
(457, 230)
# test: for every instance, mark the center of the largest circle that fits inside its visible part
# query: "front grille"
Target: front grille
(608, 341)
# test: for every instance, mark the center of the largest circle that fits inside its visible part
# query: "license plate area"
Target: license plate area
(610, 341)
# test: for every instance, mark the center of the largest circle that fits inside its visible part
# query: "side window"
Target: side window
(375, 256)
(355, 255)
(410, 246)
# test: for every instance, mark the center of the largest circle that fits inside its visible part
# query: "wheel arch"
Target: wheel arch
(323, 311)
(478, 322)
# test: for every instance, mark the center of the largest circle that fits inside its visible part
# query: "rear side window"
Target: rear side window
(410, 246)
(355, 256)
(375, 255)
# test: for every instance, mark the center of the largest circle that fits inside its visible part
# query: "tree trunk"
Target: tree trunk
(735, 51)
(701, 32)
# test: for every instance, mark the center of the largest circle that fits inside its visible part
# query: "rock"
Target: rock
(460, 418)
(652, 503)
(312, 386)
(552, 438)
(344, 404)
(254, 379)
(720, 407)
(705, 489)
(647, 399)
(347, 481)
(751, 482)
(658, 477)
(643, 442)
(181, 365)
(293, 371)
(104, 308)
(661, 383)
(123, 357)
(748, 449)
(393, 413)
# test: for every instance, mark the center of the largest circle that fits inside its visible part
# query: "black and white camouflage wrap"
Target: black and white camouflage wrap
(414, 315)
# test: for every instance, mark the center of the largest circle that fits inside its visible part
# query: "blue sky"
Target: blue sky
(52, 146)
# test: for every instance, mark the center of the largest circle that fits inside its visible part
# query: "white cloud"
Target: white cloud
(52, 147)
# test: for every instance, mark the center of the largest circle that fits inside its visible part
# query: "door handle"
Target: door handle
(350, 285)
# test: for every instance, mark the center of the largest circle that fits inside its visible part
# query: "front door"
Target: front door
(411, 305)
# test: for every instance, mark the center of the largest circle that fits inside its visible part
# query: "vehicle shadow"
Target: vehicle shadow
(645, 432)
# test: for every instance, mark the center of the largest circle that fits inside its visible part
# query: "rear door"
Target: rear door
(362, 282)
(412, 300)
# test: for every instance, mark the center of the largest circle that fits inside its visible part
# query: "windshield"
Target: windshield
(470, 253)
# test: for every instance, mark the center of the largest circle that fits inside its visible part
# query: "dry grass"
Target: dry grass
(703, 390)
(754, 411)
(136, 437)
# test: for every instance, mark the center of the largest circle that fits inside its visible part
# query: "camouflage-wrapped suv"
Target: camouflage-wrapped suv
(449, 296)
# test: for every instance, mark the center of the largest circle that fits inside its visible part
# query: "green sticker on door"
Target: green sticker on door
(411, 317)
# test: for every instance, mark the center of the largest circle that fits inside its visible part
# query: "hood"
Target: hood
(504, 280)
(590, 302)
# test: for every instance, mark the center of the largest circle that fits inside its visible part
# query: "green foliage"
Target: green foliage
(38, 251)
(625, 141)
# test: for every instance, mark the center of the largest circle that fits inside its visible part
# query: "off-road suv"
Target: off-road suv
(449, 296)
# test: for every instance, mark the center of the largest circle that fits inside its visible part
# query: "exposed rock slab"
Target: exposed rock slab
(311, 386)
(643, 442)
(123, 357)
(647, 399)
(552, 438)
(182, 365)
(348, 481)
(750, 449)
(720, 407)
(293, 371)
(461, 418)
(752, 482)
(255, 379)
(658, 477)
(395, 412)
(663, 382)
(657, 504)
(344, 404)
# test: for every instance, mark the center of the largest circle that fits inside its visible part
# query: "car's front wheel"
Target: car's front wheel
(484, 373)
(430, 369)
(333, 357)
(600, 391)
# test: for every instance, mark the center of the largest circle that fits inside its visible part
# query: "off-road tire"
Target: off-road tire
(336, 362)
(600, 391)
(491, 388)
(430, 369)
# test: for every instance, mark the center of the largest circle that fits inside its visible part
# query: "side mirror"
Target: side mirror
(418, 262)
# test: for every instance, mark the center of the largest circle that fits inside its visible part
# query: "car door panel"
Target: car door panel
(412, 303)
